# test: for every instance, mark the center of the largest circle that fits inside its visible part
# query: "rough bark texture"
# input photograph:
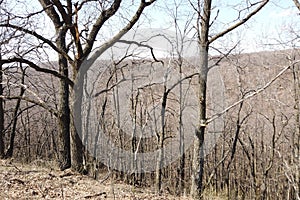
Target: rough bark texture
(64, 118)
(296, 135)
(198, 159)
(181, 137)
(1, 114)
(64, 109)
(77, 148)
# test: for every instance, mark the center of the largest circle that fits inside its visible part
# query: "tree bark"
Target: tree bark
(160, 159)
(65, 18)
(181, 135)
(1, 112)
(296, 134)
(64, 109)
(198, 159)
(77, 148)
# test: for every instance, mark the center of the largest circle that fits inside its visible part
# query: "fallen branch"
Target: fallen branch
(96, 195)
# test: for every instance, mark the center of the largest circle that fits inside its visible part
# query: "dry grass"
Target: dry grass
(18, 181)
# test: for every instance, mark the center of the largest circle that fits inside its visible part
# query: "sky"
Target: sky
(262, 32)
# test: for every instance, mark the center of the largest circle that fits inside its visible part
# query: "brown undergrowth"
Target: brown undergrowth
(39, 181)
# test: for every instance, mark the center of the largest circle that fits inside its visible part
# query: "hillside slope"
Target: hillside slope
(35, 182)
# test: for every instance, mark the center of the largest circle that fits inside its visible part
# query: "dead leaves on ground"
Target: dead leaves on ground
(33, 182)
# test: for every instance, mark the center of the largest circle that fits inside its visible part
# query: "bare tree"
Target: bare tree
(75, 38)
(9, 152)
(204, 12)
(1, 112)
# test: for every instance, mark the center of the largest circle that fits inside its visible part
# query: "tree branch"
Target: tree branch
(37, 68)
(105, 15)
(297, 4)
(118, 36)
(39, 103)
(48, 6)
(231, 28)
(180, 81)
(38, 36)
(142, 45)
(215, 116)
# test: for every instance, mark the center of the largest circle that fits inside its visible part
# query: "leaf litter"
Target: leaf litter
(23, 181)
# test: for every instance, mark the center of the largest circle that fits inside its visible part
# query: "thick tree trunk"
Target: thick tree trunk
(77, 148)
(64, 157)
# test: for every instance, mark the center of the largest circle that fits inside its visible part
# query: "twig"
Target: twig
(96, 195)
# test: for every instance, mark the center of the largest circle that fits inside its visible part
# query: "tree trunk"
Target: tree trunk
(1, 113)
(198, 159)
(296, 135)
(181, 136)
(77, 148)
(64, 157)
(9, 152)
(160, 159)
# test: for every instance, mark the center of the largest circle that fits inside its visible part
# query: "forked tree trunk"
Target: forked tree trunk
(65, 19)
(203, 26)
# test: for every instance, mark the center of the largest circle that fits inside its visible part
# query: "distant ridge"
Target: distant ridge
(165, 44)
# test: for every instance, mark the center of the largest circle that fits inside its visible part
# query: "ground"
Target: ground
(38, 181)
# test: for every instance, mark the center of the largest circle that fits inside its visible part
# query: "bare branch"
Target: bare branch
(222, 57)
(243, 21)
(142, 45)
(51, 12)
(180, 81)
(40, 37)
(37, 68)
(297, 4)
(215, 116)
(105, 15)
(118, 36)
(39, 103)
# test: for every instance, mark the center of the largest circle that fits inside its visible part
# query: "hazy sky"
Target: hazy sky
(271, 24)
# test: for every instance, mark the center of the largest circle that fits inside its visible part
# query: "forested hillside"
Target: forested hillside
(184, 99)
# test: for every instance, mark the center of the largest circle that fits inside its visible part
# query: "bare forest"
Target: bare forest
(96, 103)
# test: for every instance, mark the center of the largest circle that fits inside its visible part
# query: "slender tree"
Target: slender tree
(10, 150)
(205, 39)
(1, 112)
